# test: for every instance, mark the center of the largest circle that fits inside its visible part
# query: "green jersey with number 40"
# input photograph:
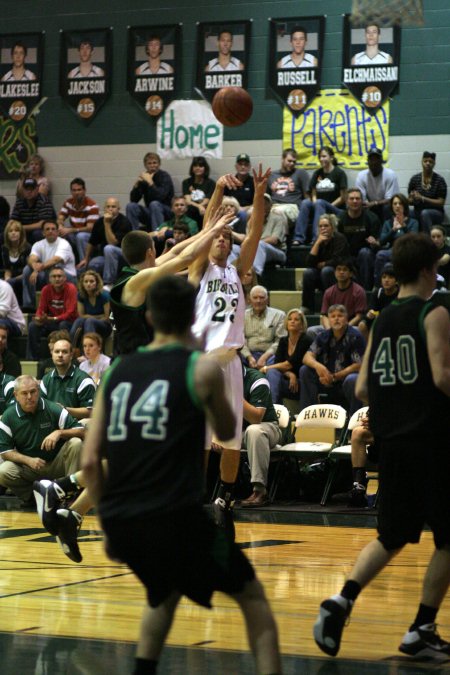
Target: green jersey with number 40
(404, 401)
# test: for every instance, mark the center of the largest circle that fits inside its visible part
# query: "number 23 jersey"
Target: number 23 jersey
(220, 308)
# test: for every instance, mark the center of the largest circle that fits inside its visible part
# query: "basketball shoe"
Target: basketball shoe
(48, 496)
(333, 615)
(425, 641)
(69, 523)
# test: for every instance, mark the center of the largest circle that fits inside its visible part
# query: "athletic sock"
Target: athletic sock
(226, 492)
(351, 590)
(425, 615)
(144, 667)
(68, 484)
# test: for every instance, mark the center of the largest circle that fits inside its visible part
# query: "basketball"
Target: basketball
(232, 106)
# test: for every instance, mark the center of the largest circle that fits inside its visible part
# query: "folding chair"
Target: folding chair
(342, 452)
(319, 417)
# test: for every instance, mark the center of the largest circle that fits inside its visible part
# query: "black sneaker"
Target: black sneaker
(424, 642)
(69, 523)
(357, 497)
(330, 624)
(48, 497)
(223, 517)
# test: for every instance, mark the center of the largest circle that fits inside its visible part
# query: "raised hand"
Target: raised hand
(260, 179)
(229, 181)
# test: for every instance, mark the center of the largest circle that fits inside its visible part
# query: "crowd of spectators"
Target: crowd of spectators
(74, 257)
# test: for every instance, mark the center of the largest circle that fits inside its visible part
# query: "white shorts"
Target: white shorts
(234, 390)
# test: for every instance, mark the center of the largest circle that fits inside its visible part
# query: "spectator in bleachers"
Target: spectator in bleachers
(378, 185)
(11, 315)
(263, 328)
(332, 363)
(9, 362)
(329, 247)
(51, 250)
(57, 309)
(198, 189)
(180, 233)
(179, 217)
(272, 245)
(15, 252)
(427, 193)
(66, 384)
(155, 187)
(393, 228)
(81, 211)
(47, 364)
(383, 297)
(283, 373)
(327, 189)
(93, 362)
(438, 236)
(248, 281)
(34, 168)
(288, 186)
(93, 308)
(362, 230)
(103, 253)
(344, 292)
(245, 192)
(32, 210)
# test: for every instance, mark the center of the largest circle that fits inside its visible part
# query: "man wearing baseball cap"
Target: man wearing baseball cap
(377, 184)
(427, 192)
(32, 210)
(245, 193)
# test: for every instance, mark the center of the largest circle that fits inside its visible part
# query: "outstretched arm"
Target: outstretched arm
(136, 288)
(255, 224)
(229, 181)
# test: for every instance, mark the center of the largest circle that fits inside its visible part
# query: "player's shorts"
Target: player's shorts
(414, 491)
(183, 552)
(234, 389)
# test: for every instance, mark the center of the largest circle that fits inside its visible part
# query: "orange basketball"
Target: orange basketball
(232, 106)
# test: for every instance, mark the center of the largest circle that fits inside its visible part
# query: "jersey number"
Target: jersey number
(406, 363)
(220, 313)
(150, 410)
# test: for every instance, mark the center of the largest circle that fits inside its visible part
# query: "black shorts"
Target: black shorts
(184, 552)
(414, 491)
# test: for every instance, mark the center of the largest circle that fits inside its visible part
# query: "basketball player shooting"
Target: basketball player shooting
(220, 311)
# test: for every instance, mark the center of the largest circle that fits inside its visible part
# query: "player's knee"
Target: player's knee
(391, 543)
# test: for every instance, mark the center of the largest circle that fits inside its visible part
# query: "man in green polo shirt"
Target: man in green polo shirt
(38, 439)
(261, 434)
(66, 384)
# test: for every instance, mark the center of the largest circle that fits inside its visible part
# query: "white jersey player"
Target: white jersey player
(220, 311)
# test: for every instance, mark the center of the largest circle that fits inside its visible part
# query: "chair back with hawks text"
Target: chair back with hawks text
(343, 452)
(321, 417)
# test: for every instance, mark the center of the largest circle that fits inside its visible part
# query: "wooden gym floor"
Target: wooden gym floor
(58, 617)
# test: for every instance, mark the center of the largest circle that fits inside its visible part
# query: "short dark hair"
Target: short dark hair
(199, 161)
(52, 222)
(221, 31)
(298, 29)
(85, 41)
(135, 245)
(78, 181)
(344, 262)
(412, 253)
(171, 302)
(18, 43)
(289, 151)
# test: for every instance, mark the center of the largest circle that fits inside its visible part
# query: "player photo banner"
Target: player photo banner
(295, 60)
(154, 66)
(21, 66)
(85, 70)
(223, 51)
(371, 62)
